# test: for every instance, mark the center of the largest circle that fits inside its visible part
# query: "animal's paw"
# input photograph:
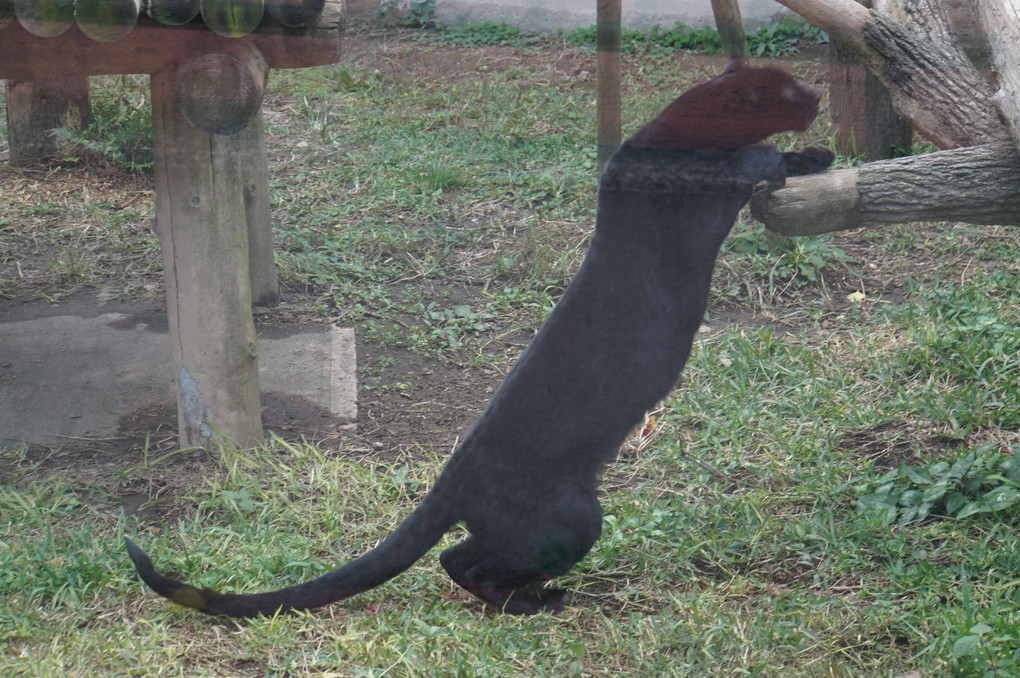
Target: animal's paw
(809, 161)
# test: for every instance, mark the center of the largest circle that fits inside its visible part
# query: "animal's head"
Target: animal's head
(740, 107)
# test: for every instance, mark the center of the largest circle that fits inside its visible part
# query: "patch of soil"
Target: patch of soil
(893, 443)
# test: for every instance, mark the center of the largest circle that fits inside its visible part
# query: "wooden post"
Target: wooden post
(730, 25)
(862, 113)
(607, 39)
(201, 223)
(34, 108)
(265, 287)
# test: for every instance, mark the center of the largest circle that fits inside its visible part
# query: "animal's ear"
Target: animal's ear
(808, 161)
(735, 64)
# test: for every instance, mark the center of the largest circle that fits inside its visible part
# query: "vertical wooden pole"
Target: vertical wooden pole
(34, 108)
(201, 223)
(265, 288)
(730, 25)
(862, 113)
(607, 41)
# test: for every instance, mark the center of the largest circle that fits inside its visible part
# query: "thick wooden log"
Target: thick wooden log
(265, 287)
(150, 48)
(220, 92)
(201, 223)
(931, 84)
(863, 116)
(1001, 21)
(36, 108)
(974, 185)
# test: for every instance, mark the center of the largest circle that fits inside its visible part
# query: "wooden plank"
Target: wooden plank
(201, 223)
(152, 47)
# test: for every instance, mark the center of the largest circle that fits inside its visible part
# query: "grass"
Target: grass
(766, 522)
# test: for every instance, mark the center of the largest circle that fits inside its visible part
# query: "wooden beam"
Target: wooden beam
(152, 47)
(607, 38)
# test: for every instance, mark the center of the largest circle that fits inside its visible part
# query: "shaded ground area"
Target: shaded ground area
(77, 370)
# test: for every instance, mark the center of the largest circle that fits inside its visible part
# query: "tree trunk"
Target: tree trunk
(930, 81)
(1001, 21)
(975, 185)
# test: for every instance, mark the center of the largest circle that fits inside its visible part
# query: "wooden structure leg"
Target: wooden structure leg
(608, 28)
(252, 157)
(202, 226)
(35, 107)
(862, 112)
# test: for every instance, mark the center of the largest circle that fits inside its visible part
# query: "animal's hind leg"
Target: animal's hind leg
(493, 579)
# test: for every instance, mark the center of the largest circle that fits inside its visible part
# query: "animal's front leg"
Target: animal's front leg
(809, 161)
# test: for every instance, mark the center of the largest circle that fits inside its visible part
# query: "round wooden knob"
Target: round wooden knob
(219, 93)
(295, 13)
(174, 12)
(232, 18)
(106, 20)
(45, 18)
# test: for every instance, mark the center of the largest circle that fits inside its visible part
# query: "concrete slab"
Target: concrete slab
(76, 371)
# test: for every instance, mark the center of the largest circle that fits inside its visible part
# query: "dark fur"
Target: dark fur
(524, 480)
